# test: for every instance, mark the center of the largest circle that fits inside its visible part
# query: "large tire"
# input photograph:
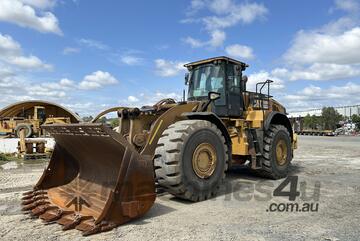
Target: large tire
(272, 166)
(173, 161)
(28, 130)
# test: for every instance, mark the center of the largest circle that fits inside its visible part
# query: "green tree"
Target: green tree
(356, 120)
(330, 118)
(311, 122)
(102, 120)
(307, 122)
(114, 122)
(87, 118)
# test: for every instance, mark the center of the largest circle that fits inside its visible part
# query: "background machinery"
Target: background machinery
(98, 179)
(30, 123)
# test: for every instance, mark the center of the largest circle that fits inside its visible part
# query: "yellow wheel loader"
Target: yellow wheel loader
(99, 178)
(12, 126)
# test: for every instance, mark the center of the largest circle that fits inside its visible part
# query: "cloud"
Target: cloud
(15, 87)
(149, 99)
(314, 46)
(262, 76)
(8, 80)
(217, 39)
(131, 60)
(221, 6)
(244, 13)
(195, 6)
(167, 68)
(52, 89)
(316, 97)
(70, 50)
(318, 72)
(84, 108)
(93, 44)
(224, 14)
(240, 51)
(30, 62)
(41, 4)
(97, 80)
(347, 5)
(132, 99)
(194, 43)
(329, 52)
(5, 72)
(24, 13)
(11, 53)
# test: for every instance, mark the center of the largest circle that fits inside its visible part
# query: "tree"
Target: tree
(87, 118)
(356, 120)
(307, 122)
(311, 122)
(114, 122)
(102, 120)
(330, 118)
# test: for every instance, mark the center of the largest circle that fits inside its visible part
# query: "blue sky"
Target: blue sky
(91, 55)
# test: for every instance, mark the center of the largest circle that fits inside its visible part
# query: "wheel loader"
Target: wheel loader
(99, 178)
(12, 126)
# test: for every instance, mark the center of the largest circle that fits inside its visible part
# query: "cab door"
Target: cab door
(234, 92)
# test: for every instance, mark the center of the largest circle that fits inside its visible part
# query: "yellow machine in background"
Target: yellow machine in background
(31, 124)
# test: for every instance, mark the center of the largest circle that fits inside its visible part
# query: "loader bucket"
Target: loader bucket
(94, 182)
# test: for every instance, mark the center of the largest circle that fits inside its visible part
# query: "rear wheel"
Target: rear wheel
(27, 128)
(191, 159)
(277, 153)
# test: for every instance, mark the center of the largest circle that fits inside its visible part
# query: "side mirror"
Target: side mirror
(214, 95)
(244, 80)
(186, 78)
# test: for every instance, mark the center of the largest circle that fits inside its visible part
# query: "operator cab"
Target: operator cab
(39, 113)
(222, 75)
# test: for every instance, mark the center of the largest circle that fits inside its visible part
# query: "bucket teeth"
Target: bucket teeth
(33, 199)
(29, 195)
(26, 197)
(53, 214)
(34, 205)
(75, 221)
(101, 227)
(93, 230)
(27, 201)
(40, 210)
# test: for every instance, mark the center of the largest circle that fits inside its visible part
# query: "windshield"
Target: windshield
(205, 79)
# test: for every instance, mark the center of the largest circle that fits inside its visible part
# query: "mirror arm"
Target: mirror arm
(204, 108)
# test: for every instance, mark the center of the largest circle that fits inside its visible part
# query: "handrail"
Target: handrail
(260, 96)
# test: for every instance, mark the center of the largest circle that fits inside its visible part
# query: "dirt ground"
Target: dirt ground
(237, 214)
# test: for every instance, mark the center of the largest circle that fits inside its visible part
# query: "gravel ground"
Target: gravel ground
(237, 214)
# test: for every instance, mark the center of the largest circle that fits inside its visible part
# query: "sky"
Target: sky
(93, 55)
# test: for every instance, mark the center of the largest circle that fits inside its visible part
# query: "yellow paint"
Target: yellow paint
(255, 117)
(239, 142)
(156, 131)
(295, 141)
(239, 145)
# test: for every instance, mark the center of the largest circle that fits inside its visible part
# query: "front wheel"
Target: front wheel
(191, 159)
(26, 128)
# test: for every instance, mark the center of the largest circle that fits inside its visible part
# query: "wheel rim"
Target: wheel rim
(204, 160)
(281, 152)
(26, 131)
